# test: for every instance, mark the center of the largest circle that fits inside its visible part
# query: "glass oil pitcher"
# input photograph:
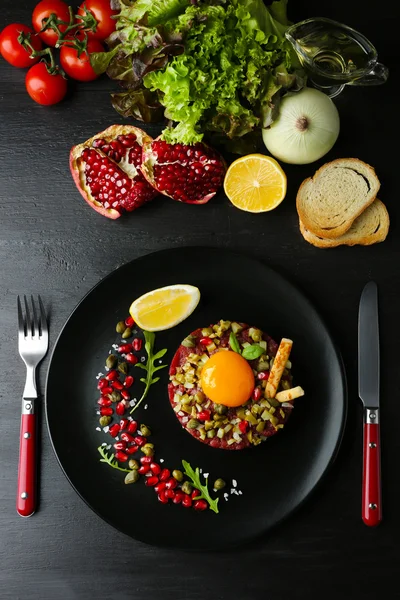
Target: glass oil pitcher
(335, 55)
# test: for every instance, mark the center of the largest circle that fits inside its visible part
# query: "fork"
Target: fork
(33, 341)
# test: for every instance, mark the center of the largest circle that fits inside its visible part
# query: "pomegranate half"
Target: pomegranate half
(107, 170)
(189, 174)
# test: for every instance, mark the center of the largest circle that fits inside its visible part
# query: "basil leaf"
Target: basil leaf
(252, 352)
(234, 344)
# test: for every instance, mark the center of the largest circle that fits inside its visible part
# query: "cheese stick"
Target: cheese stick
(278, 367)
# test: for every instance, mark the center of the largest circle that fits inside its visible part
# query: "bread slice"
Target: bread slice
(339, 192)
(370, 227)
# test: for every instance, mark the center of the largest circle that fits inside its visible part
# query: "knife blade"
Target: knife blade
(369, 391)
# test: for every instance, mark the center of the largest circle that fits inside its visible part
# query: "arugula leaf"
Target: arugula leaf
(234, 344)
(110, 460)
(194, 476)
(149, 366)
(252, 352)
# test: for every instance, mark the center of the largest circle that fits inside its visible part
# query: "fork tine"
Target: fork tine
(35, 323)
(43, 320)
(21, 325)
(27, 318)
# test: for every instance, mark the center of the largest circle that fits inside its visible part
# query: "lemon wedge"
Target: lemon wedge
(255, 183)
(165, 307)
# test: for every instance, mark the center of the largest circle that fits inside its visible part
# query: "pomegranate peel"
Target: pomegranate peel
(107, 171)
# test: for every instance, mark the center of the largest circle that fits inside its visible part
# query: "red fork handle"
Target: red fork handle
(26, 487)
(371, 487)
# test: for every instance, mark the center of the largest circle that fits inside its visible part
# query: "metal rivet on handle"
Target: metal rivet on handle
(372, 445)
(24, 495)
(27, 435)
(373, 506)
(28, 406)
(372, 416)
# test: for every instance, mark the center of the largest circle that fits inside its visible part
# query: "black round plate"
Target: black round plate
(274, 477)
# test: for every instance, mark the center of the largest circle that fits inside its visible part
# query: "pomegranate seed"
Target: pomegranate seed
(129, 322)
(151, 481)
(137, 344)
(128, 381)
(165, 474)
(155, 468)
(120, 445)
(127, 437)
(178, 496)
(200, 505)
(121, 456)
(187, 501)
(146, 460)
(125, 394)
(140, 440)
(103, 401)
(243, 425)
(131, 358)
(112, 375)
(160, 487)
(170, 494)
(132, 427)
(117, 385)
(206, 341)
(257, 393)
(132, 449)
(107, 390)
(263, 375)
(171, 483)
(125, 348)
(204, 415)
(114, 430)
(106, 411)
(144, 469)
(162, 497)
(102, 383)
(120, 408)
(123, 424)
(195, 493)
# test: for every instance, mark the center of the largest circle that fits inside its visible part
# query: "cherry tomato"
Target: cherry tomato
(79, 67)
(102, 12)
(42, 11)
(44, 88)
(12, 51)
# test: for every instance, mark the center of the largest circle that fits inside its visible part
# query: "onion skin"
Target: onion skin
(306, 129)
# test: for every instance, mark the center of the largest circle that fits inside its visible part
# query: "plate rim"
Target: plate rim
(344, 386)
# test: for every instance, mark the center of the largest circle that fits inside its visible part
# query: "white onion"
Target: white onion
(306, 128)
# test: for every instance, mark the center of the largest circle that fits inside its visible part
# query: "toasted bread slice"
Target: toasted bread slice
(371, 227)
(330, 201)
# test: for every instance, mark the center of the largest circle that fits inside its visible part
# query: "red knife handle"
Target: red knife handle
(26, 487)
(371, 487)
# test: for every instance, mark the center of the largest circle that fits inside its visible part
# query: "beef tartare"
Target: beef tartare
(229, 405)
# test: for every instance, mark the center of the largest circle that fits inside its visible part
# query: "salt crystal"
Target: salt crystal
(201, 470)
(108, 446)
(145, 406)
(161, 460)
(106, 429)
(130, 418)
(226, 496)
(115, 346)
(132, 403)
(143, 359)
(98, 428)
(97, 412)
(240, 492)
(104, 444)
(234, 482)
(160, 361)
(206, 475)
(107, 368)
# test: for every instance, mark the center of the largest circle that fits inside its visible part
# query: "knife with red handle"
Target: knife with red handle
(368, 389)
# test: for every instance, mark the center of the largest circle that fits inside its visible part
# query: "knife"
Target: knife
(368, 390)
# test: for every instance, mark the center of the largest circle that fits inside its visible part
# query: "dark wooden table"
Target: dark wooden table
(51, 243)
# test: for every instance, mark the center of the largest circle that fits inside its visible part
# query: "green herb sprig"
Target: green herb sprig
(110, 460)
(149, 366)
(194, 476)
(249, 353)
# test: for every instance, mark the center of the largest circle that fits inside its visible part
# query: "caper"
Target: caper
(111, 360)
(123, 368)
(145, 430)
(115, 396)
(178, 475)
(207, 331)
(188, 342)
(187, 487)
(133, 464)
(132, 476)
(148, 445)
(127, 333)
(193, 423)
(147, 451)
(211, 433)
(120, 328)
(104, 421)
(220, 409)
(219, 484)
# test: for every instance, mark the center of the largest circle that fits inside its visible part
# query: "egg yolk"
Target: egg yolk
(227, 378)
